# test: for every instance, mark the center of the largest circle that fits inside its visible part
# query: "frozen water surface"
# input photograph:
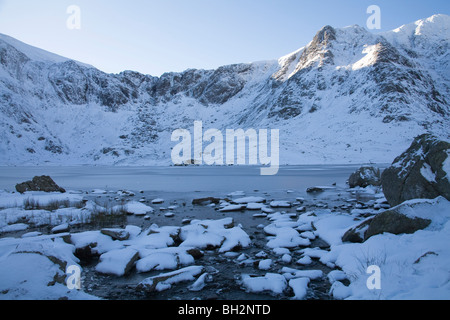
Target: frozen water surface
(181, 179)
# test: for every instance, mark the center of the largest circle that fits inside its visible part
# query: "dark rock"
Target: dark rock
(85, 254)
(195, 253)
(394, 222)
(205, 201)
(42, 183)
(186, 221)
(116, 234)
(229, 225)
(319, 243)
(315, 190)
(419, 172)
(365, 176)
(356, 234)
(131, 263)
(391, 221)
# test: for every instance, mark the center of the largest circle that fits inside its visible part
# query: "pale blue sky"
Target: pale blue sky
(157, 36)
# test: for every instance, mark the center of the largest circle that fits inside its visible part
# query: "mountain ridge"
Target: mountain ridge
(349, 96)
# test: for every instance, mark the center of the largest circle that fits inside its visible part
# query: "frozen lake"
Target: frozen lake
(178, 187)
(182, 179)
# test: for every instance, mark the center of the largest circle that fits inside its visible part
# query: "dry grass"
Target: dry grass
(105, 215)
(53, 205)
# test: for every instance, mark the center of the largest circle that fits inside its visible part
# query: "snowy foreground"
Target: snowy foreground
(39, 245)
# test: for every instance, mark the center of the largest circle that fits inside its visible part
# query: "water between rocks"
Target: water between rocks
(179, 186)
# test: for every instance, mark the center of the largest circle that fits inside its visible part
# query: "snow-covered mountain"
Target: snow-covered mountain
(349, 96)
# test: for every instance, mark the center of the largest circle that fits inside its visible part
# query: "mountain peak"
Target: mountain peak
(438, 24)
(324, 36)
(436, 27)
(438, 18)
(318, 50)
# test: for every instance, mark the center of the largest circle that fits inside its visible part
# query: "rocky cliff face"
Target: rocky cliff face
(348, 96)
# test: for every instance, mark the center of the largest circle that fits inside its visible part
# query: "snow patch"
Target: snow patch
(427, 173)
(272, 282)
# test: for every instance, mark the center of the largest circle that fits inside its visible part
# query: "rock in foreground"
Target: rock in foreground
(420, 172)
(408, 217)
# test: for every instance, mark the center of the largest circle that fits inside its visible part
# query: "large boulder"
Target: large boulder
(392, 221)
(42, 183)
(422, 171)
(408, 217)
(365, 176)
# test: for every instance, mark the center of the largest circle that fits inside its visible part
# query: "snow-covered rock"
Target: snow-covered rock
(305, 260)
(254, 206)
(233, 207)
(408, 217)
(365, 176)
(164, 281)
(246, 200)
(285, 237)
(419, 172)
(300, 287)
(339, 291)
(14, 227)
(117, 262)
(138, 208)
(116, 234)
(412, 266)
(164, 258)
(336, 275)
(61, 228)
(199, 284)
(290, 273)
(280, 204)
(271, 282)
(265, 264)
(34, 268)
(213, 234)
